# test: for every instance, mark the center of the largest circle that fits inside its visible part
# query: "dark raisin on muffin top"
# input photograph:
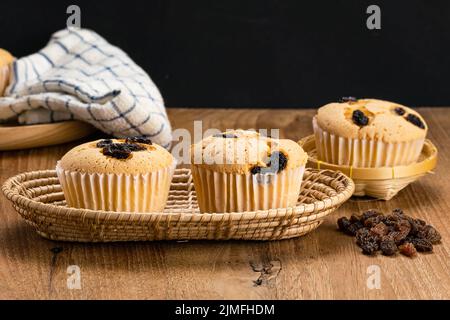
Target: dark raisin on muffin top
(123, 150)
(415, 120)
(139, 139)
(359, 118)
(277, 163)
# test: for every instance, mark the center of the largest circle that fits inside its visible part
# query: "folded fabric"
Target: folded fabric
(79, 75)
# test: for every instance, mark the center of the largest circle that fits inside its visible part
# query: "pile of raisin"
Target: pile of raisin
(123, 150)
(359, 118)
(396, 232)
(277, 163)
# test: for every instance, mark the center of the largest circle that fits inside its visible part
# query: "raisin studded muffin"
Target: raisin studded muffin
(5, 61)
(240, 170)
(132, 175)
(368, 133)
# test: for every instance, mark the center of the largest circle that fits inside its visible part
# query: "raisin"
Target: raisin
(343, 224)
(276, 164)
(117, 150)
(415, 120)
(354, 227)
(379, 230)
(408, 249)
(373, 221)
(139, 139)
(421, 222)
(225, 135)
(348, 99)
(134, 147)
(359, 118)
(388, 247)
(392, 221)
(354, 218)
(400, 111)
(360, 235)
(422, 245)
(256, 170)
(404, 227)
(430, 233)
(278, 161)
(398, 212)
(370, 213)
(368, 242)
(104, 143)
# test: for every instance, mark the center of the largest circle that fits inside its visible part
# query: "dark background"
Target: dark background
(217, 53)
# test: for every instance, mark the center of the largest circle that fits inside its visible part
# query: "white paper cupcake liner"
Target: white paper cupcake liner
(116, 192)
(230, 192)
(364, 153)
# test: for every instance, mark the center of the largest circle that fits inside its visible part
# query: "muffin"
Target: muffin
(368, 133)
(132, 175)
(5, 61)
(240, 170)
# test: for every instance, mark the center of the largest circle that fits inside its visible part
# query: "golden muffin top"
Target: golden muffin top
(119, 156)
(243, 151)
(371, 119)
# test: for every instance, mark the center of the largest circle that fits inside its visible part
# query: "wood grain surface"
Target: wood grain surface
(321, 265)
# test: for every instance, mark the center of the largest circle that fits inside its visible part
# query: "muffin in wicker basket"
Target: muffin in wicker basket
(368, 133)
(240, 170)
(132, 175)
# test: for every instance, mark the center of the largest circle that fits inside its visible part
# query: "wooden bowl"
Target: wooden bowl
(16, 137)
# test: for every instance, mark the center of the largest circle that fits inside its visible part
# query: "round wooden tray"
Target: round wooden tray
(38, 198)
(16, 137)
(382, 183)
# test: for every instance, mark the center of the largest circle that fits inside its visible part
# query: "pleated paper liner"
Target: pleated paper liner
(38, 198)
(382, 183)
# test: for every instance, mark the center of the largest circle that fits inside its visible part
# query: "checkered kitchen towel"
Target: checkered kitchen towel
(79, 75)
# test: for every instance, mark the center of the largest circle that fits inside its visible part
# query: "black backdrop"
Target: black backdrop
(291, 53)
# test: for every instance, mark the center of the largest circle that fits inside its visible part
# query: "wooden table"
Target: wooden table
(321, 265)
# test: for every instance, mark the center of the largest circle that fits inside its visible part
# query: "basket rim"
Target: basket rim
(416, 169)
(23, 201)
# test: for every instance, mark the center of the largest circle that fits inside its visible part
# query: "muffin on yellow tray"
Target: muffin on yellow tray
(5, 61)
(240, 170)
(130, 174)
(368, 133)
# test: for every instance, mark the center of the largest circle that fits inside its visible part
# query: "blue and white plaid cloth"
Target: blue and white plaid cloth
(79, 75)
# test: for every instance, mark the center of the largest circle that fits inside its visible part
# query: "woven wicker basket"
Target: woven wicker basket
(37, 196)
(382, 183)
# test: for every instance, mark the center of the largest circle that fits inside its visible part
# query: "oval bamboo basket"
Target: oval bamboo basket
(381, 183)
(38, 198)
